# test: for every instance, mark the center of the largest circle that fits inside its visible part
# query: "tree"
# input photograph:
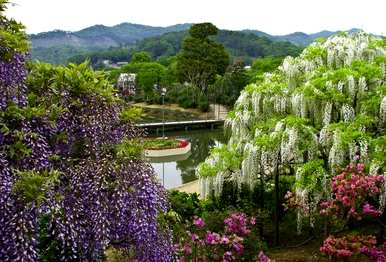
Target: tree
(264, 65)
(308, 119)
(148, 74)
(201, 58)
(141, 57)
(227, 88)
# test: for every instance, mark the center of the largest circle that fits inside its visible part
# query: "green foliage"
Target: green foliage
(49, 248)
(148, 74)
(313, 52)
(161, 143)
(128, 149)
(230, 161)
(240, 45)
(187, 96)
(166, 45)
(379, 147)
(32, 186)
(141, 57)
(80, 79)
(263, 65)
(14, 37)
(64, 54)
(113, 54)
(131, 114)
(201, 58)
(312, 176)
(227, 88)
(203, 30)
(203, 103)
(96, 43)
(185, 205)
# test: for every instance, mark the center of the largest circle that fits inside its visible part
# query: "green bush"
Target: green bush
(186, 102)
(185, 205)
(203, 103)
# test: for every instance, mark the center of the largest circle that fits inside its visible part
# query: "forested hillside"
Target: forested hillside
(244, 46)
(58, 46)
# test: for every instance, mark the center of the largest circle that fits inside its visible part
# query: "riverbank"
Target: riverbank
(190, 188)
(173, 112)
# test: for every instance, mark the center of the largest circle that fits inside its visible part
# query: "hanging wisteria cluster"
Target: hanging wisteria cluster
(326, 108)
(69, 167)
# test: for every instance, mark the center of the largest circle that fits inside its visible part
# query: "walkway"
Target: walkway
(191, 187)
(183, 123)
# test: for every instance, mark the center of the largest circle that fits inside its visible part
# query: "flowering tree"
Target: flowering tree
(72, 181)
(309, 118)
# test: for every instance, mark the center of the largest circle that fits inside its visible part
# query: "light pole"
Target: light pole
(163, 174)
(163, 93)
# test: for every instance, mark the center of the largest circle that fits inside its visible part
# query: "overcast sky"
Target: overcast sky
(271, 16)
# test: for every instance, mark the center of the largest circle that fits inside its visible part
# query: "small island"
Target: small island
(164, 147)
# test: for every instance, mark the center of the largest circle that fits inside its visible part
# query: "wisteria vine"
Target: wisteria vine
(61, 172)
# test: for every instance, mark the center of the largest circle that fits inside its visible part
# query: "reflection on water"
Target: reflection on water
(172, 172)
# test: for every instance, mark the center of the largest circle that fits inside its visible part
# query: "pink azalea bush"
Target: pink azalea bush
(347, 246)
(238, 223)
(263, 257)
(353, 192)
(350, 190)
(377, 254)
(201, 244)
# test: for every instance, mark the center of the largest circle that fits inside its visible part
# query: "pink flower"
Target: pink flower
(225, 240)
(187, 250)
(344, 253)
(238, 247)
(263, 257)
(360, 167)
(199, 222)
(370, 210)
(212, 238)
(194, 237)
(228, 256)
(237, 223)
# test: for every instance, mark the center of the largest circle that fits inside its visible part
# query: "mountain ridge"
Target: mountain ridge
(58, 45)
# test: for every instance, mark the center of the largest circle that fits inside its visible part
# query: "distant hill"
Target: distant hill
(58, 46)
(300, 38)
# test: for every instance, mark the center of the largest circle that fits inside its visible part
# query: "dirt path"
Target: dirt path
(189, 188)
(216, 111)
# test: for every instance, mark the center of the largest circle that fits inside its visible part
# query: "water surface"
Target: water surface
(175, 172)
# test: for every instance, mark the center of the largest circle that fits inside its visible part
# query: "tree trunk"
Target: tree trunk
(277, 206)
(261, 208)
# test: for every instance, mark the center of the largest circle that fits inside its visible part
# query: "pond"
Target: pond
(176, 171)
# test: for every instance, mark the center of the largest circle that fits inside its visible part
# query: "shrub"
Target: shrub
(230, 243)
(203, 103)
(185, 205)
